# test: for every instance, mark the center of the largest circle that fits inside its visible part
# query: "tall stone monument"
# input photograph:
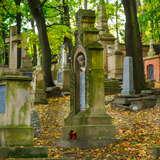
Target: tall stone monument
(151, 51)
(128, 84)
(18, 59)
(63, 74)
(115, 62)
(38, 84)
(87, 125)
(13, 48)
(106, 38)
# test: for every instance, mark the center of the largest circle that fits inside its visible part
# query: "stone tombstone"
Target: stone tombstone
(15, 107)
(105, 37)
(38, 86)
(16, 133)
(13, 51)
(26, 63)
(66, 69)
(115, 62)
(87, 125)
(128, 84)
(151, 51)
(18, 59)
(63, 74)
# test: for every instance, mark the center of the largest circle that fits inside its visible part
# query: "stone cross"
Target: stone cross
(13, 51)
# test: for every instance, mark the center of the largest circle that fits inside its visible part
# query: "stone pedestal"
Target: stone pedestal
(26, 66)
(15, 112)
(115, 62)
(38, 85)
(87, 125)
(128, 85)
(26, 63)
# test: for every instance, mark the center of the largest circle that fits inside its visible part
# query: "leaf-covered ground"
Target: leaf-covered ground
(137, 131)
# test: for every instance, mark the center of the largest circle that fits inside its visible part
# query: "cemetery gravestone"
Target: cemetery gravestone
(128, 99)
(128, 84)
(13, 51)
(151, 51)
(38, 84)
(115, 62)
(18, 58)
(26, 63)
(63, 74)
(87, 124)
(106, 38)
(16, 132)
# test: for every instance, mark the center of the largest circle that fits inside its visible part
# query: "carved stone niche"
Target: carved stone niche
(80, 79)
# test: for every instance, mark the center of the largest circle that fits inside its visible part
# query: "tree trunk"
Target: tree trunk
(37, 12)
(18, 23)
(134, 44)
(65, 17)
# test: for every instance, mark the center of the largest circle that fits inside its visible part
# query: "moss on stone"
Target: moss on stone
(24, 152)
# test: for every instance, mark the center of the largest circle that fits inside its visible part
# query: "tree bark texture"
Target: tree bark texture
(134, 44)
(38, 15)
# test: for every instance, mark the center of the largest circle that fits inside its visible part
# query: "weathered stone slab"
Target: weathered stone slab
(16, 136)
(128, 85)
(89, 136)
(135, 102)
(38, 86)
(23, 152)
(15, 122)
(112, 87)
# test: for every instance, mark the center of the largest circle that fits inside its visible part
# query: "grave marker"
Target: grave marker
(16, 133)
(88, 120)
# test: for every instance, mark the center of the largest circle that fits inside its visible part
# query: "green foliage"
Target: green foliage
(56, 35)
(149, 16)
(29, 38)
